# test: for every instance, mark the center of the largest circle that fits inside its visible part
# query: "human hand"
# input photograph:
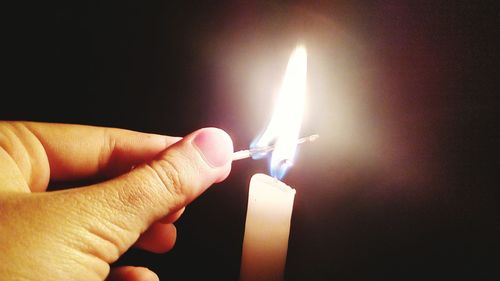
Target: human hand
(74, 234)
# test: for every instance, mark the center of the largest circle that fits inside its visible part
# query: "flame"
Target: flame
(286, 120)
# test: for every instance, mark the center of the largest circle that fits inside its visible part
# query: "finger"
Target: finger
(23, 161)
(119, 210)
(131, 273)
(172, 217)
(159, 238)
(11, 177)
(77, 152)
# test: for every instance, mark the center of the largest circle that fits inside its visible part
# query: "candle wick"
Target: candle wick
(279, 170)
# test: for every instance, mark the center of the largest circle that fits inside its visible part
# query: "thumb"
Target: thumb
(119, 210)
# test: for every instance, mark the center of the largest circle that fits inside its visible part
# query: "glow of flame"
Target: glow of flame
(286, 120)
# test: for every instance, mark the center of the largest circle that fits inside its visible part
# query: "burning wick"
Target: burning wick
(261, 151)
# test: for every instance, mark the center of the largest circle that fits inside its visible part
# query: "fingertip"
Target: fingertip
(214, 145)
(159, 238)
(132, 273)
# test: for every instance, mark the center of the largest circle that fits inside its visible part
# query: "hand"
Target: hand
(74, 234)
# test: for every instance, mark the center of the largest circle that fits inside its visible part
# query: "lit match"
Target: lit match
(243, 154)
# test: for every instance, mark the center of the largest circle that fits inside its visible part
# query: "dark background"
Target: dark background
(400, 186)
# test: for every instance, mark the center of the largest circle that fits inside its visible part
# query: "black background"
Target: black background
(401, 184)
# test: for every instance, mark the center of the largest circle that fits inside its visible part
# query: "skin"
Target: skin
(142, 183)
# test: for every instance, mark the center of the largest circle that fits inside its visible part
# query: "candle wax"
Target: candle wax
(267, 229)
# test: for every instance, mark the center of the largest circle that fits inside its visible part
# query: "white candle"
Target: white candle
(267, 229)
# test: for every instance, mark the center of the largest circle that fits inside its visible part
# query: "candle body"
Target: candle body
(267, 229)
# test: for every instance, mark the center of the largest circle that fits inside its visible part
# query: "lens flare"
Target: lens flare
(284, 127)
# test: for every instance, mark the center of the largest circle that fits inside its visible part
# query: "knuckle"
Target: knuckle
(169, 175)
(24, 147)
(106, 149)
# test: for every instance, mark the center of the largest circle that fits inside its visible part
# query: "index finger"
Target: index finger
(78, 152)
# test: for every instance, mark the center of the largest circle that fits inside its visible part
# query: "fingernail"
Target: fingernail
(215, 146)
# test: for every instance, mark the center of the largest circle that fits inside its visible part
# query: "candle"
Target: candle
(267, 229)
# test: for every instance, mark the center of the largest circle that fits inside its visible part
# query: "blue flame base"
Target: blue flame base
(279, 170)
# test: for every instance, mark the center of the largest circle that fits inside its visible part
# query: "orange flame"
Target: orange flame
(286, 120)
